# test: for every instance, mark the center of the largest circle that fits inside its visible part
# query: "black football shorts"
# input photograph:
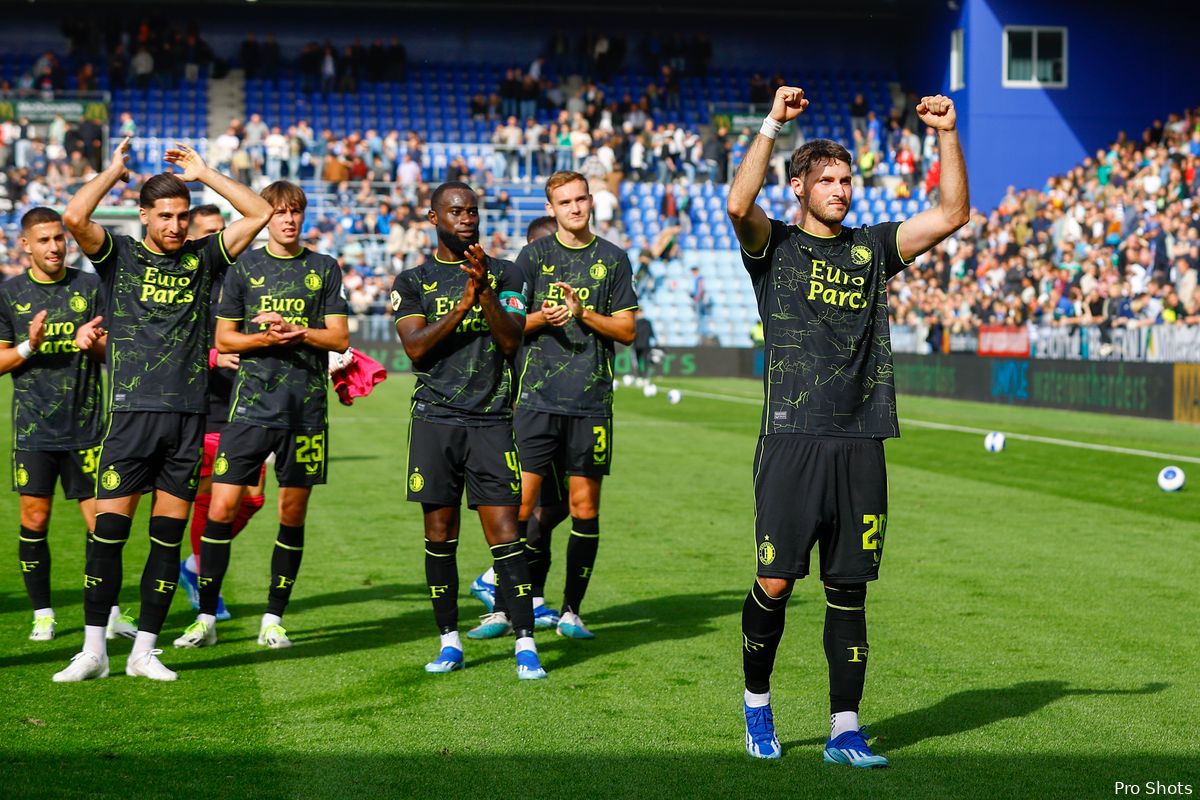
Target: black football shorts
(147, 450)
(300, 456)
(442, 459)
(583, 445)
(824, 491)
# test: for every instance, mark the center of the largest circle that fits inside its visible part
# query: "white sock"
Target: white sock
(452, 639)
(94, 639)
(271, 619)
(841, 722)
(191, 562)
(538, 602)
(113, 613)
(525, 645)
(207, 619)
(38, 613)
(757, 700)
(144, 642)
(489, 576)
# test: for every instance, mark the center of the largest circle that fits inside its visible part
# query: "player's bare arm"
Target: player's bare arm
(334, 336)
(506, 329)
(78, 214)
(10, 355)
(549, 315)
(419, 337)
(920, 233)
(231, 340)
(256, 212)
(619, 327)
(750, 222)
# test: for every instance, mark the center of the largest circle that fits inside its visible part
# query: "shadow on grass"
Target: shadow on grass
(975, 708)
(967, 711)
(445, 772)
(649, 621)
(368, 633)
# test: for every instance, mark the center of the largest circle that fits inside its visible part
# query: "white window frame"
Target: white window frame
(958, 68)
(1034, 83)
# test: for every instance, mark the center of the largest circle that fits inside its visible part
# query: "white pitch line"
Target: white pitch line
(732, 398)
(1024, 437)
(1028, 437)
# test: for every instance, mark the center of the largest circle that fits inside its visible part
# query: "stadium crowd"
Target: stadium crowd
(1114, 242)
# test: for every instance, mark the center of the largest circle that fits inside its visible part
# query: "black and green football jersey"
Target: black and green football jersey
(56, 392)
(466, 379)
(157, 321)
(284, 386)
(824, 307)
(568, 370)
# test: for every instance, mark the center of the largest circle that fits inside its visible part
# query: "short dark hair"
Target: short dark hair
(206, 210)
(163, 186)
(286, 194)
(816, 152)
(436, 197)
(37, 216)
(542, 226)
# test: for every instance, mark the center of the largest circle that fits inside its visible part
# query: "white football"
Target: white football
(1171, 479)
(994, 442)
(674, 396)
(649, 390)
(616, 385)
(628, 379)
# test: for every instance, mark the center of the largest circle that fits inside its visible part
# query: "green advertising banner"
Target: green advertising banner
(41, 110)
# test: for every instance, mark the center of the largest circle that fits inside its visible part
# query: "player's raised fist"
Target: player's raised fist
(937, 112)
(190, 163)
(789, 103)
(120, 159)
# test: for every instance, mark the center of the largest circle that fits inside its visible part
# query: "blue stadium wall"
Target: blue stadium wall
(1127, 65)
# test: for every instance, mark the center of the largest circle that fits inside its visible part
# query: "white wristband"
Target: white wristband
(25, 349)
(770, 128)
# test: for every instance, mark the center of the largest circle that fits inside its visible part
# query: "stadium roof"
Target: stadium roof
(846, 9)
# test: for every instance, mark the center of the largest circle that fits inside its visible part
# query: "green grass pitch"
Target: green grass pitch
(1033, 634)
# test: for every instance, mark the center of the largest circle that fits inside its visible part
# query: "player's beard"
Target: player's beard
(455, 243)
(829, 216)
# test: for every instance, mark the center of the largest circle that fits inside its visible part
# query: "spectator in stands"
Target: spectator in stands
(328, 70)
(858, 116)
(759, 91)
(143, 68)
(702, 305)
(866, 164)
(250, 57)
(644, 341)
(254, 138)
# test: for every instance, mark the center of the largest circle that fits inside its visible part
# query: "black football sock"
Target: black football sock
(512, 580)
(846, 645)
(500, 605)
(763, 619)
(541, 528)
(161, 574)
(33, 551)
(285, 566)
(441, 574)
(215, 551)
(102, 574)
(581, 561)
